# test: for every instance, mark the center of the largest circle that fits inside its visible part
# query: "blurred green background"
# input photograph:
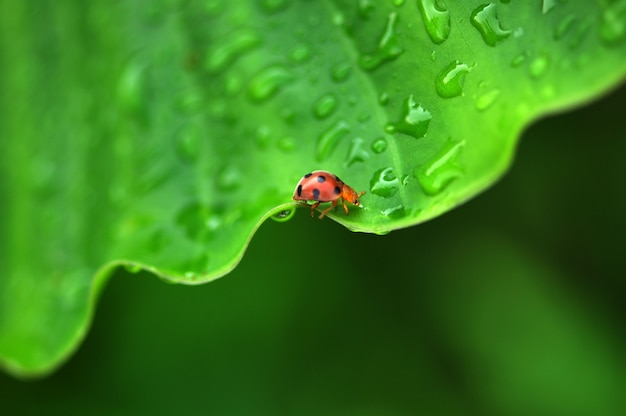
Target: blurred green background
(512, 304)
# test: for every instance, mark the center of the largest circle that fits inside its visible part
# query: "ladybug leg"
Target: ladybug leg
(328, 209)
(345, 207)
(315, 205)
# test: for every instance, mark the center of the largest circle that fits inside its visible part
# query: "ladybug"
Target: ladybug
(322, 186)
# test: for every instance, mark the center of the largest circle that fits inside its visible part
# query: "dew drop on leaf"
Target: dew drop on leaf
(300, 53)
(325, 106)
(437, 174)
(131, 88)
(379, 145)
(284, 215)
(519, 60)
(286, 144)
(547, 5)
(486, 99)
(388, 47)
(272, 6)
(414, 121)
(394, 212)
(436, 18)
(365, 8)
(449, 82)
(340, 72)
(266, 83)
(228, 49)
(357, 152)
(613, 24)
(228, 179)
(262, 136)
(539, 66)
(485, 19)
(383, 98)
(133, 268)
(564, 26)
(329, 139)
(384, 183)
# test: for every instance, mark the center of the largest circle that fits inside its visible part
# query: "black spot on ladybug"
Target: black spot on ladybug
(316, 194)
(299, 190)
(308, 175)
(337, 190)
(321, 179)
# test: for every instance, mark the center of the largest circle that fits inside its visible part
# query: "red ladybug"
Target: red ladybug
(322, 186)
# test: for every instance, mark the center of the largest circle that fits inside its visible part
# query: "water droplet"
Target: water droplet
(519, 60)
(300, 53)
(226, 51)
(385, 183)
(485, 19)
(325, 106)
(340, 72)
(564, 26)
(539, 66)
(131, 88)
(388, 47)
(357, 152)
(228, 179)
(273, 6)
(233, 84)
(436, 175)
(262, 136)
(395, 212)
(485, 100)
(449, 82)
(613, 24)
(436, 18)
(284, 215)
(383, 98)
(133, 268)
(191, 101)
(414, 120)
(286, 144)
(188, 142)
(398, 3)
(329, 139)
(198, 222)
(269, 81)
(379, 145)
(363, 117)
(365, 8)
(547, 6)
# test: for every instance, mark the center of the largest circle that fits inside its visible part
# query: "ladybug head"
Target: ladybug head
(350, 194)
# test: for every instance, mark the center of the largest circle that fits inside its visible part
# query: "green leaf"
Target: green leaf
(160, 135)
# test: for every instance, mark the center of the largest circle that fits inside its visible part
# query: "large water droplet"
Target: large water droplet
(269, 81)
(414, 120)
(449, 82)
(225, 51)
(388, 47)
(379, 145)
(329, 139)
(539, 66)
(485, 19)
(436, 19)
(486, 99)
(385, 183)
(325, 106)
(436, 175)
(357, 152)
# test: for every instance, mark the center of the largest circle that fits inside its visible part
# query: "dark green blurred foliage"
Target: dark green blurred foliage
(512, 304)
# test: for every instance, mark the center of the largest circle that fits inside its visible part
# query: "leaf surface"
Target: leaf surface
(160, 135)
